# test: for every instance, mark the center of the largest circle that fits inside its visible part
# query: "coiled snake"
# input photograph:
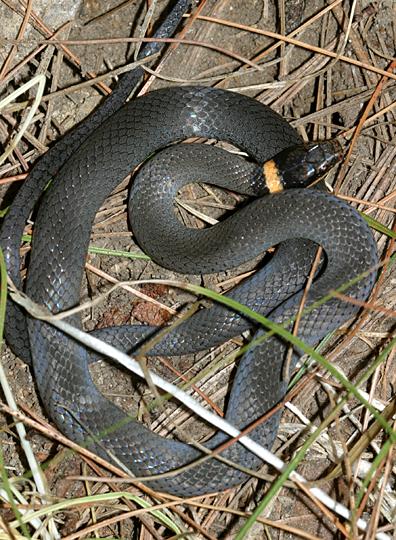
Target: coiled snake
(298, 220)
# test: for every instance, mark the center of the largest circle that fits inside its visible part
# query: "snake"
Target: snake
(147, 134)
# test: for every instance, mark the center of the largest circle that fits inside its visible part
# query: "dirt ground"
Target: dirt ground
(322, 97)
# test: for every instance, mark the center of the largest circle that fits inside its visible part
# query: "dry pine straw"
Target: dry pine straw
(371, 159)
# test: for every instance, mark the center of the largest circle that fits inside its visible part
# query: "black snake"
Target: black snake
(298, 220)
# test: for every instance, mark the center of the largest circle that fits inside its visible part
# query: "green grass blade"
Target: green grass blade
(105, 251)
(376, 225)
(100, 498)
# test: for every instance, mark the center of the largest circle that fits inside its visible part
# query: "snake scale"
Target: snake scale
(297, 220)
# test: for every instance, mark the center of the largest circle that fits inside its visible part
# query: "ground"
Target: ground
(322, 97)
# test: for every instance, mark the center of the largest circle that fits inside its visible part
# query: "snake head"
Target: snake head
(301, 165)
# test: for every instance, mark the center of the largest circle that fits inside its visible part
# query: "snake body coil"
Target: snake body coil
(298, 220)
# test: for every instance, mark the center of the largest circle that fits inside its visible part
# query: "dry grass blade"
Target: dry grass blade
(324, 93)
